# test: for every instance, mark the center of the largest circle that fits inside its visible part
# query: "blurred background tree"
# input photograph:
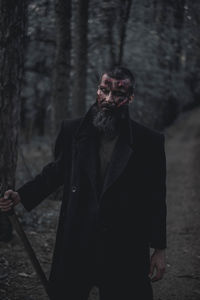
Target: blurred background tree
(80, 58)
(60, 107)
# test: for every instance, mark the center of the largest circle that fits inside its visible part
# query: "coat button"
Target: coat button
(105, 227)
(74, 189)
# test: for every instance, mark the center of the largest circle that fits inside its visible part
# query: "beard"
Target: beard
(107, 121)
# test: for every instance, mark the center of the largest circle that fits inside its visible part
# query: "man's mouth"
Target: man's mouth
(108, 107)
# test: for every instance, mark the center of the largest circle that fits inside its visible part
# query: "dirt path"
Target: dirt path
(182, 279)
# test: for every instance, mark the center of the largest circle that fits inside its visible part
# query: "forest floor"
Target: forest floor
(182, 278)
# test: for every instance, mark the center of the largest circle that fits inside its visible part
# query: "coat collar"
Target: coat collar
(86, 128)
(86, 146)
(87, 138)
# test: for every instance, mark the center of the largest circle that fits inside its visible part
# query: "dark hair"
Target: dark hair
(120, 72)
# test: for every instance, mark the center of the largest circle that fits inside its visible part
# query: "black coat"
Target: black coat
(127, 216)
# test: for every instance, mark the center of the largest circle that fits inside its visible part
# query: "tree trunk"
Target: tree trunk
(124, 16)
(61, 89)
(109, 16)
(80, 49)
(161, 19)
(12, 29)
(178, 7)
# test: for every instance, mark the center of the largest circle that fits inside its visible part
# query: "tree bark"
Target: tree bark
(178, 7)
(80, 49)
(124, 16)
(12, 30)
(110, 11)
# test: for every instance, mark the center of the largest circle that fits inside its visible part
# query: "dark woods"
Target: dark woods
(70, 42)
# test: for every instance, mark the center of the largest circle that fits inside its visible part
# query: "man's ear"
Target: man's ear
(131, 98)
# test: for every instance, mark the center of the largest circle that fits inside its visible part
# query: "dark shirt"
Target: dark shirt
(106, 147)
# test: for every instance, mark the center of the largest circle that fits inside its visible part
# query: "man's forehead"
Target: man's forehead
(115, 83)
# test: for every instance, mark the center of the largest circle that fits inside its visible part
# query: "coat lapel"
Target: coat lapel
(120, 157)
(86, 144)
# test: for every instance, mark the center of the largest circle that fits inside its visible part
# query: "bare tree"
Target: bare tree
(61, 89)
(178, 9)
(80, 49)
(125, 9)
(12, 29)
(110, 11)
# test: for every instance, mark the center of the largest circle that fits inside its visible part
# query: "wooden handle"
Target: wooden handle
(18, 227)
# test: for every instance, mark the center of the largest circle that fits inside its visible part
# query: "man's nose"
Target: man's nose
(109, 97)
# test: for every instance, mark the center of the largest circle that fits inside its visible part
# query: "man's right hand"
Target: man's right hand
(10, 199)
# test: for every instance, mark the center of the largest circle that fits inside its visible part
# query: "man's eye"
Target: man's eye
(105, 91)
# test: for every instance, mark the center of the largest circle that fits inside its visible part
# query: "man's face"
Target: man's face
(113, 93)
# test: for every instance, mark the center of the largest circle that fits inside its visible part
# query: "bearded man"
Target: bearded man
(114, 209)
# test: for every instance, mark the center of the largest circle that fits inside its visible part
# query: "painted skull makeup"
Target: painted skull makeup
(113, 93)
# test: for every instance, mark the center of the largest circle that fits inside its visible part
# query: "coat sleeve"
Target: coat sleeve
(158, 201)
(50, 178)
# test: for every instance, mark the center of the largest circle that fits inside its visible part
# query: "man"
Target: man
(113, 209)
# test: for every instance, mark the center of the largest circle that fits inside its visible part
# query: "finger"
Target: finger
(2, 200)
(6, 203)
(159, 275)
(152, 266)
(8, 194)
(6, 208)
